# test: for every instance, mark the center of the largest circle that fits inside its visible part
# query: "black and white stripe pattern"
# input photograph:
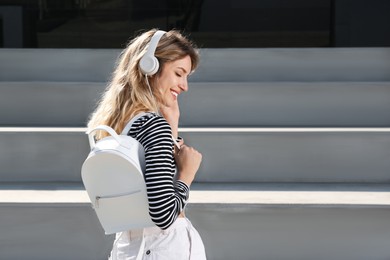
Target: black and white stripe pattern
(167, 196)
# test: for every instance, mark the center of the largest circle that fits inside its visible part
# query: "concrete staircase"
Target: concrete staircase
(296, 148)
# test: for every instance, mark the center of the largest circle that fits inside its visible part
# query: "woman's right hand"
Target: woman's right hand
(188, 161)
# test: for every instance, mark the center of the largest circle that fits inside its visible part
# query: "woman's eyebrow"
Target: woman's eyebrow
(183, 69)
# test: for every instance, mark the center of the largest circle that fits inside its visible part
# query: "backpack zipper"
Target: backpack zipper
(97, 198)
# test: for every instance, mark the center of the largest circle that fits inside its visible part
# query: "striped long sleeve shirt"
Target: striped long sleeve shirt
(167, 197)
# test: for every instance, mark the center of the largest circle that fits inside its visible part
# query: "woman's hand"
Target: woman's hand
(172, 115)
(188, 161)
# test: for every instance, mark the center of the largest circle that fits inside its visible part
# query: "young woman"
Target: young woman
(131, 92)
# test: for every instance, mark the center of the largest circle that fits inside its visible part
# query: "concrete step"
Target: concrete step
(80, 65)
(291, 154)
(42, 154)
(229, 154)
(271, 64)
(316, 221)
(294, 64)
(230, 104)
(47, 221)
(300, 104)
(293, 222)
(48, 103)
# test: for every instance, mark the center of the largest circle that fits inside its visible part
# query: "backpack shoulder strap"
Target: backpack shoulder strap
(129, 124)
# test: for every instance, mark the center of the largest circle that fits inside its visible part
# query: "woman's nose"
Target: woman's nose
(184, 85)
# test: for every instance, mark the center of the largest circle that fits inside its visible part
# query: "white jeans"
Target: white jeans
(180, 241)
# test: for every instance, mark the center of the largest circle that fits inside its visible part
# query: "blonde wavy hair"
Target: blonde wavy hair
(128, 94)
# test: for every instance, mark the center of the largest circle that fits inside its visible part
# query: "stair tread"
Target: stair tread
(219, 193)
(209, 129)
(296, 193)
(43, 193)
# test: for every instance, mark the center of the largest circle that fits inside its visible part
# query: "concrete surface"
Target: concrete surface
(278, 98)
(240, 221)
(226, 65)
(237, 155)
(304, 104)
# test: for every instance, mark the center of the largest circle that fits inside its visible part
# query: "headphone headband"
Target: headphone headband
(153, 42)
(149, 63)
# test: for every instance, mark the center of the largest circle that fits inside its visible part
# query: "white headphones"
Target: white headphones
(149, 63)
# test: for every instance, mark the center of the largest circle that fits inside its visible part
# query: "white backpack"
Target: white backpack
(113, 177)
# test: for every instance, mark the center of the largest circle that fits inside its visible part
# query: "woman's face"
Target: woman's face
(173, 80)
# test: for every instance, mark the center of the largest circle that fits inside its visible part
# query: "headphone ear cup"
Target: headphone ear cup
(149, 65)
